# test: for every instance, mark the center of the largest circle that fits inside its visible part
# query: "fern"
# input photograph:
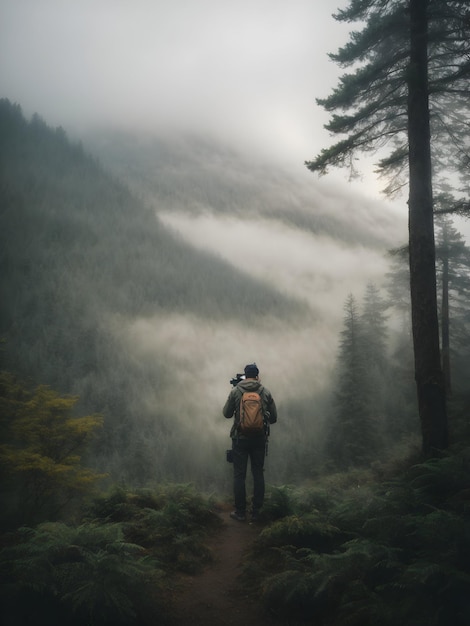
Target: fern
(172, 522)
(436, 479)
(291, 593)
(106, 584)
(311, 531)
(106, 571)
(91, 569)
(361, 606)
(356, 505)
(400, 550)
(279, 502)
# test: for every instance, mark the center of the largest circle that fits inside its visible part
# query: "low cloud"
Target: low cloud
(247, 72)
(311, 267)
(202, 358)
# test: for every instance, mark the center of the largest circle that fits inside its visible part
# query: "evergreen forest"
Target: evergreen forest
(112, 450)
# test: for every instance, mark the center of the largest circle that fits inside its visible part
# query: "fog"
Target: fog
(209, 114)
(245, 72)
(203, 358)
(311, 242)
(303, 265)
(157, 297)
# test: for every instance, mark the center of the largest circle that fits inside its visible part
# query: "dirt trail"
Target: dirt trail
(213, 598)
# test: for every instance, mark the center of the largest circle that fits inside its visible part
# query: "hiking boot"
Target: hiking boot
(240, 517)
(254, 516)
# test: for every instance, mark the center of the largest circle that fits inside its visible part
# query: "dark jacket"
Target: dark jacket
(232, 406)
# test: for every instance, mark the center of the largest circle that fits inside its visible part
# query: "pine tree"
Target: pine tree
(453, 258)
(374, 329)
(351, 432)
(453, 286)
(407, 52)
(369, 105)
(403, 399)
(374, 321)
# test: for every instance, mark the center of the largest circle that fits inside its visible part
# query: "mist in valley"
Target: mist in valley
(144, 297)
(313, 243)
(163, 230)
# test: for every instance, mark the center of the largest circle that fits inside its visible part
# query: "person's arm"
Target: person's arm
(230, 405)
(272, 410)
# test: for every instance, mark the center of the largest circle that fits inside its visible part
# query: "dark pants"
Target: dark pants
(254, 449)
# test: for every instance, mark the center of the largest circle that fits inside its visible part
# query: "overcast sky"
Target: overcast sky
(248, 71)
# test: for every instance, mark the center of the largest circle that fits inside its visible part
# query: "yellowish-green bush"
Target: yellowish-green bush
(41, 447)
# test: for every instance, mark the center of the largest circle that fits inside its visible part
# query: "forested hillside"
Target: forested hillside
(81, 257)
(192, 174)
(102, 300)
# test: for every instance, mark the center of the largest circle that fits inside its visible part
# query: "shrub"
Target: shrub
(89, 573)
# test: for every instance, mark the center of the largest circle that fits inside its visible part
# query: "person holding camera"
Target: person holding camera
(253, 409)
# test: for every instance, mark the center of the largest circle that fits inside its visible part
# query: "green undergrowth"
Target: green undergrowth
(171, 523)
(117, 567)
(352, 550)
(381, 546)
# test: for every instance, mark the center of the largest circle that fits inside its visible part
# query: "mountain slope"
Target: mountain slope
(188, 173)
(147, 326)
(81, 259)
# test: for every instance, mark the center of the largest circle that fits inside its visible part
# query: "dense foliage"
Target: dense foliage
(384, 544)
(41, 448)
(360, 551)
(118, 566)
(71, 552)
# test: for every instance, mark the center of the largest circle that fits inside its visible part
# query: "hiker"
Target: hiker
(249, 441)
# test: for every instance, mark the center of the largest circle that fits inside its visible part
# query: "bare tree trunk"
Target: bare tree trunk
(425, 323)
(445, 324)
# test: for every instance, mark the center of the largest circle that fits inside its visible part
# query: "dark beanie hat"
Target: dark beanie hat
(251, 370)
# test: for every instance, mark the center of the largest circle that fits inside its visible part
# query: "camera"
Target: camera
(229, 456)
(236, 379)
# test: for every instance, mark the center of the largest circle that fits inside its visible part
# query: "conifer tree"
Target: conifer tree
(404, 413)
(374, 330)
(453, 288)
(351, 433)
(407, 52)
(374, 321)
(453, 258)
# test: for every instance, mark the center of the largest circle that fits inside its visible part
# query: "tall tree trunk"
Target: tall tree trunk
(425, 323)
(445, 323)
